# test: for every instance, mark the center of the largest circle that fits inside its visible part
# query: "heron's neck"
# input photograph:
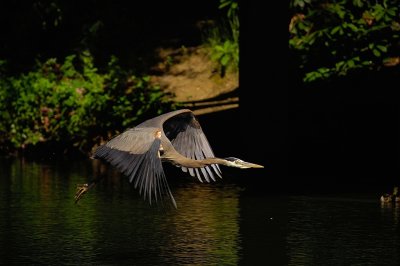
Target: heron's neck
(198, 163)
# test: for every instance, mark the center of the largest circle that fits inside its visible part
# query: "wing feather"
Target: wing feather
(188, 139)
(134, 140)
(135, 154)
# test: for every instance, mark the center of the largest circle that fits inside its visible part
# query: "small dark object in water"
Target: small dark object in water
(394, 197)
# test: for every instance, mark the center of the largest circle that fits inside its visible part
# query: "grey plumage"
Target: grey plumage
(175, 137)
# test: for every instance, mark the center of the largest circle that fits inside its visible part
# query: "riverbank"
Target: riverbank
(190, 77)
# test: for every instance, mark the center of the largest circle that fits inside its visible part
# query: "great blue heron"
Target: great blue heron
(175, 137)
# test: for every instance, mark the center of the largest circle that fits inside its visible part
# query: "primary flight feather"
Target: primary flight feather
(175, 137)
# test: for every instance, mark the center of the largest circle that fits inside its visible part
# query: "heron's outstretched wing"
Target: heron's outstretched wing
(135, 153)
(188, 139)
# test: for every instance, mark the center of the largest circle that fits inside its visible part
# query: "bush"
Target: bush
(334, 38)
(73, 104)
(223, 39)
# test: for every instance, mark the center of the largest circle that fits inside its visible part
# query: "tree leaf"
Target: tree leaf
(376, 52)
(382, 48)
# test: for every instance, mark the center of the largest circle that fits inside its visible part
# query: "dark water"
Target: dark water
(215, 224)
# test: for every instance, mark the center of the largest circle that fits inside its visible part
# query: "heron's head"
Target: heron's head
(235, 162)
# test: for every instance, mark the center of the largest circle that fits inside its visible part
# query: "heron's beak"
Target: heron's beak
(243, 164)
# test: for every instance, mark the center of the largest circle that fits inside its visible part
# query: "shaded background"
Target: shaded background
(129, 30)
(341, 135)
(341, 132)
(328, 135)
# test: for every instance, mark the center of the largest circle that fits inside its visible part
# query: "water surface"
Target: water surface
(223, 223)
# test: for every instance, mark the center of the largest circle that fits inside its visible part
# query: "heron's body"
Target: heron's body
(175, 137)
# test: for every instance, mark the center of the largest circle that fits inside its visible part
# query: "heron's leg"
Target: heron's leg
(82, 189)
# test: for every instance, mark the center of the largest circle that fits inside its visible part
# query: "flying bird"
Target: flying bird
(175, 137)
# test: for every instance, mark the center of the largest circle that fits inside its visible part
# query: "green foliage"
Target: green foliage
(334, 38)
(223, 40)
(73, 103)
(49, 13)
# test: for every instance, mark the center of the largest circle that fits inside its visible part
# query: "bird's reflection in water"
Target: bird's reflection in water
(204, 230)
(206, 225)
